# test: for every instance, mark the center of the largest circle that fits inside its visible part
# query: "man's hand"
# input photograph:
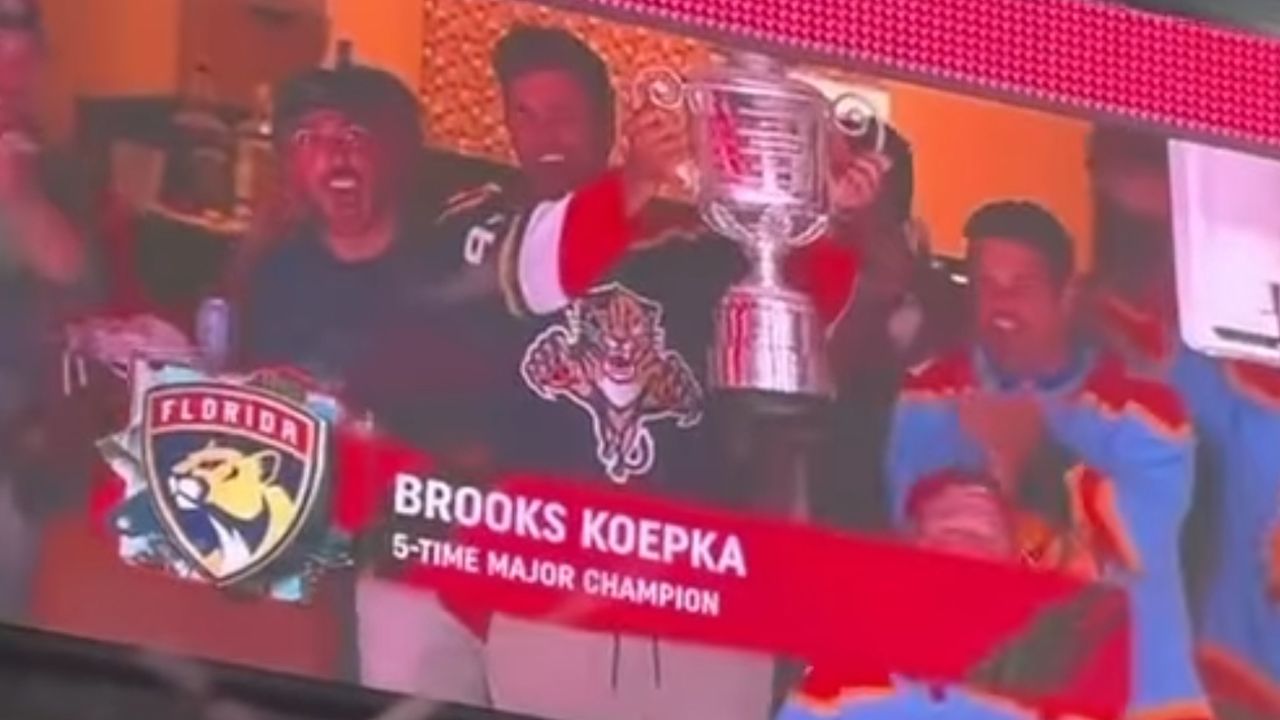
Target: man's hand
(1010, 430)
(657, 147)
(855, 182)
(855, 179)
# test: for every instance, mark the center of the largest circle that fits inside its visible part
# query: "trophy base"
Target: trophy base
(769, 342)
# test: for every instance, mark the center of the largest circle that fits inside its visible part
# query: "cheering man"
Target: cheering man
(1028, 390)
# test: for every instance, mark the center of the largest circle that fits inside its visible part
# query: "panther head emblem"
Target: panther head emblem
(237, 492)
(610, 358)
(233, 473)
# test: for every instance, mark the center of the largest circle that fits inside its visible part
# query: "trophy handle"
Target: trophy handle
(667, 89)
(663, 87)
(855, 116)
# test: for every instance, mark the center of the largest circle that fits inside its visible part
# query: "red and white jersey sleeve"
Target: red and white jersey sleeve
(545, 254)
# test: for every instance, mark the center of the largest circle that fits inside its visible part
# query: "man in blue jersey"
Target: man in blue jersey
(1231, 549)
(1028, 390)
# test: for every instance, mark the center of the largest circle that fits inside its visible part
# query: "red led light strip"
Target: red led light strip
(1083, 55)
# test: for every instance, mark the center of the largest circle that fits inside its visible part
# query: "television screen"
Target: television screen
(576, 365)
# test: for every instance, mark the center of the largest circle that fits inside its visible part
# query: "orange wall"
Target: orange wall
(968, 152)
(108, 47)
(147, 47)
(387, 33)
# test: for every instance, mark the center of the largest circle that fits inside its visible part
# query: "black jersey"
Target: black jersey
(592, 337)
(596, 348)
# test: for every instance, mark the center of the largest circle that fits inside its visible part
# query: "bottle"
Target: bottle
(255, 155)
(213, 334)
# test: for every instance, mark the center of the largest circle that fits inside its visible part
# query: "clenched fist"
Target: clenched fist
(657, 144)
(551, 367)
(1009, 428)
(855, 178)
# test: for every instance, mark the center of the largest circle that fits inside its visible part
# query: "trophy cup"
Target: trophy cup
(759, 174)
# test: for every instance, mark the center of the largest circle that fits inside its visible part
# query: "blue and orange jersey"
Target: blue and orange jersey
(1235, 407)
(1135, 438)
(820, 698)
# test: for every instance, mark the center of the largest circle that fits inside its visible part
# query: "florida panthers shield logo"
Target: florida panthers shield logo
(233, 473)
(610, 359)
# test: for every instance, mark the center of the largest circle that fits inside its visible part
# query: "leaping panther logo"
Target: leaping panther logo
(610, 358)
(233, 474)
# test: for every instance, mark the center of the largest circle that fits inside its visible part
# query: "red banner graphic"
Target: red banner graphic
(596, 557)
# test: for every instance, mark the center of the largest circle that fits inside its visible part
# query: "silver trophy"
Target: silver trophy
(760, 177)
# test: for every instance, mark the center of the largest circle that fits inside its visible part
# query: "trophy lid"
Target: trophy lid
(756, 62)
(756, 72)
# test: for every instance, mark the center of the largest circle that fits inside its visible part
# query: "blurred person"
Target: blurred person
(349, 137)
(897, 315)
(902, 311)
(1031, 387)
(966, 514)
(1231, 548)
(44, 273)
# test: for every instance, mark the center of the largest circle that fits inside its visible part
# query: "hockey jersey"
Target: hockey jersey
(595, 329)
(1236, 410)
(821, 698)
(1135, 436)
(593, 333)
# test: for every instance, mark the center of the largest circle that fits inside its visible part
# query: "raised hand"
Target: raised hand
(657, 147)
(854, 178)
(1010, 429)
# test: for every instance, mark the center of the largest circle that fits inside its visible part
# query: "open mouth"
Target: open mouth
(552, 159)
(618, 367)
(343, 183)
(345, 189)
(1005, 324)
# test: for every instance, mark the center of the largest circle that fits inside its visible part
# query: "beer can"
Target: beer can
(213, 333)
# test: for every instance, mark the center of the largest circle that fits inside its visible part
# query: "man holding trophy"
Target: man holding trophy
(768, 180)
(683, 340)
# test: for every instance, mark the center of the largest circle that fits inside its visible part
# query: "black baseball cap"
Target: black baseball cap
(371, 97)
